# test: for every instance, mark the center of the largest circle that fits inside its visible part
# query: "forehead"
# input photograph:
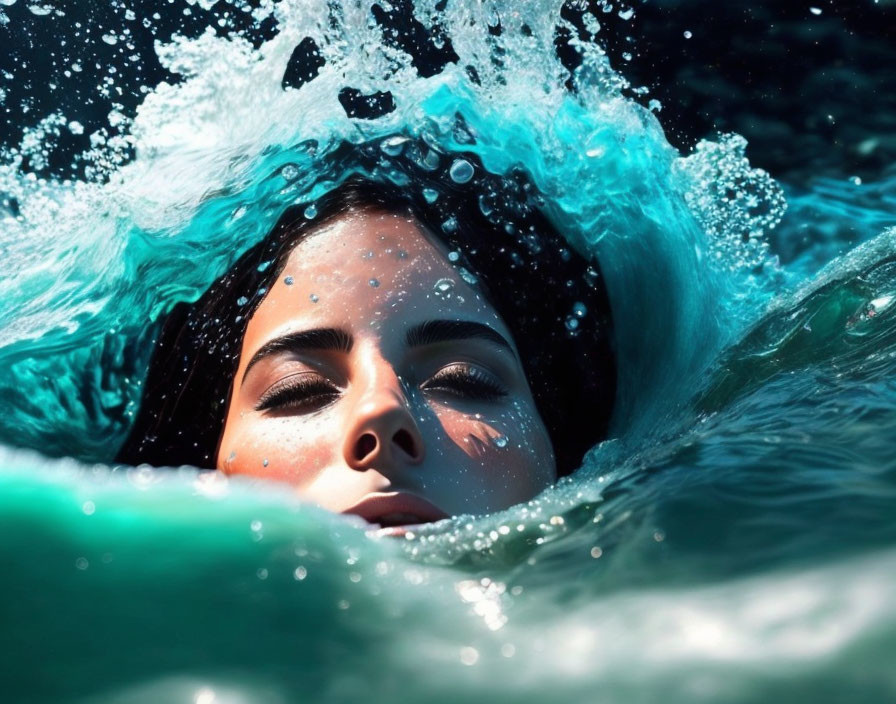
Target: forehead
(367, 270)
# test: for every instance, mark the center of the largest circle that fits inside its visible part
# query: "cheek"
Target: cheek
(294, 450)
(507, 444)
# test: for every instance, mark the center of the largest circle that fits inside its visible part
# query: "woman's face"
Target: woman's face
(377, 381)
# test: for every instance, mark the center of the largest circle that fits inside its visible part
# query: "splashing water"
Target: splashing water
(735, 530)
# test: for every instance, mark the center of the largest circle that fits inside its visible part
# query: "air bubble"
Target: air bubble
(314, 298)
(310, 212)
(290, 172)
(289, 281)
(374, 283)
(572, 324)
(431, 195)
(461, 171)
(264, 265)
(393, 146)
(579, 309)
(468, 276)
(500, 441)
(453, 256)
(242, 300)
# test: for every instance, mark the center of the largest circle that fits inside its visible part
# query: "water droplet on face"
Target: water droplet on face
(374, 283)
(443, 287)
(289, 281)
(310, 212)
(314, 298)
(431, 195)
(461, 171)
(289, 172)
(500, 441)
(264, 462)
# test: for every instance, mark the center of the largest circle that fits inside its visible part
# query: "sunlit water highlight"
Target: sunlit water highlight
(733, 542)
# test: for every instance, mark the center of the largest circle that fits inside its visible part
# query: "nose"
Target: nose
(383, 434)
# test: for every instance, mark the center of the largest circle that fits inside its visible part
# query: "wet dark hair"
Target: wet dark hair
(551, 298)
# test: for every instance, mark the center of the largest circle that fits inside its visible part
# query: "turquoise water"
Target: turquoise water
(733, 541)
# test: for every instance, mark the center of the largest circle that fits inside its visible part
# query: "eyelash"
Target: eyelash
(466, 382)
(297, 393)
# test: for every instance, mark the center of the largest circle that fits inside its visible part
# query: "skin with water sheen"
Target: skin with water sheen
(379, 382)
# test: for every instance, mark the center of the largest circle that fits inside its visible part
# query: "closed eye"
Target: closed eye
(304, 392)
(465, 381)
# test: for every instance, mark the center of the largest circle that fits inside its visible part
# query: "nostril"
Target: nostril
(365, 445)
(406, 442)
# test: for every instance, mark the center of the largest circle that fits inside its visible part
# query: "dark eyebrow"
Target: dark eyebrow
(434, 331)
(316, 339)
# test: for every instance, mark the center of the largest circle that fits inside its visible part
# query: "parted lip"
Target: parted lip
(396, 508)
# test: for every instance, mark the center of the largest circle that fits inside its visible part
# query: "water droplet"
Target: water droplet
(264, 462)
(450, 225)
(314, 298)
(264, 265)
(393, 146)
(289, 281)
(461, 171)
(310, 212)
(579, 309)
(468, 276)
(572, 324)
(453, 256)
(290, 172)
(443, 287)
(374, 283)
(688, 34)
(300, 573)
(500, 441)
(431, 195)
(242, 300)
